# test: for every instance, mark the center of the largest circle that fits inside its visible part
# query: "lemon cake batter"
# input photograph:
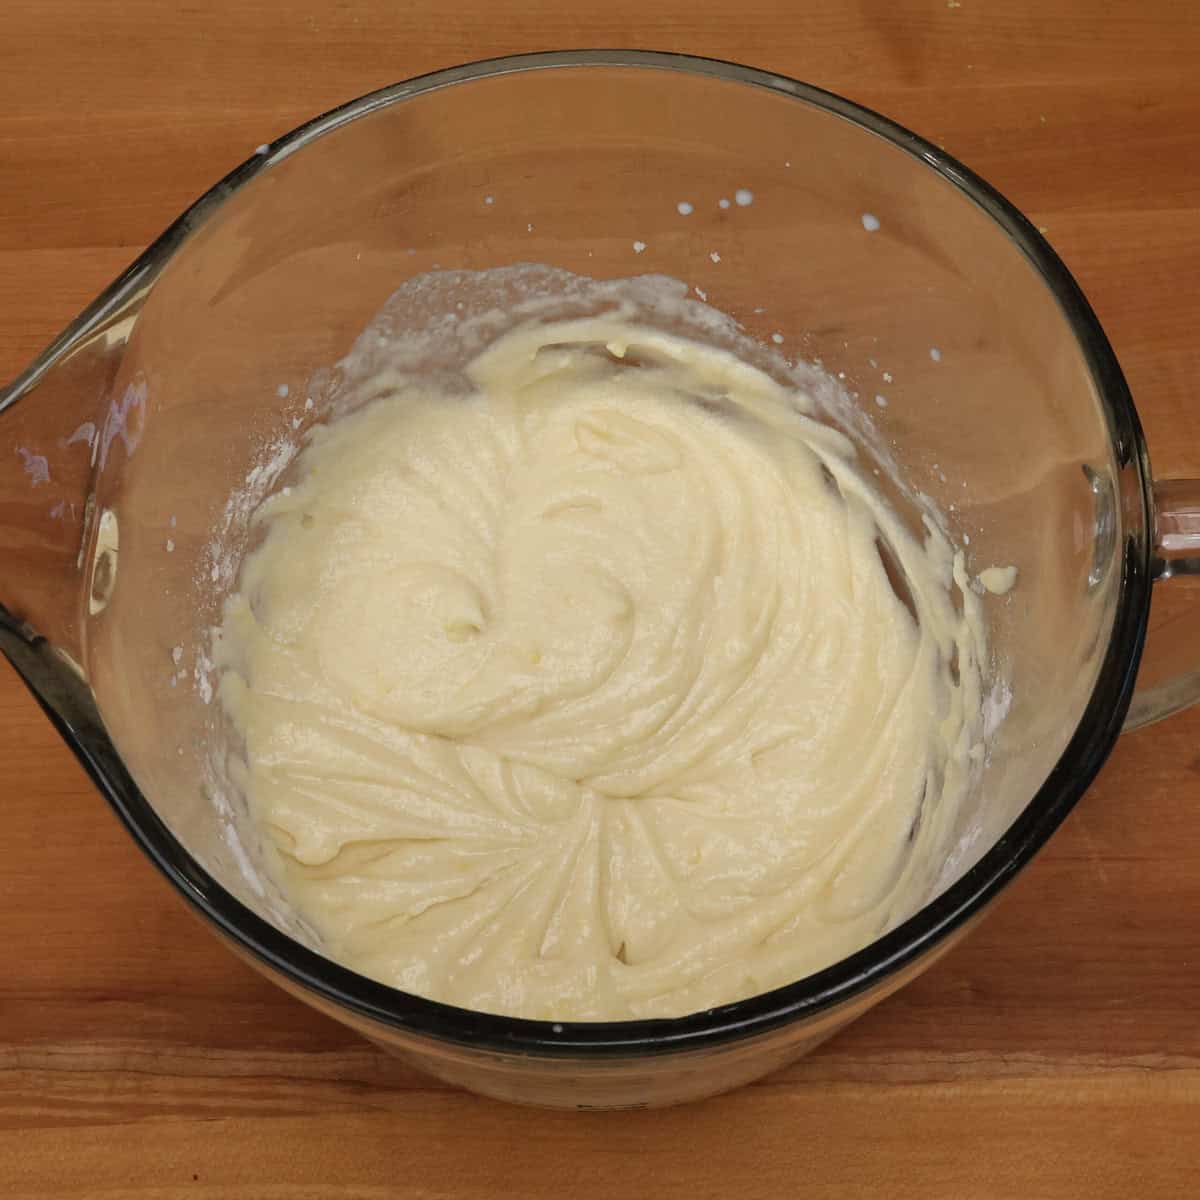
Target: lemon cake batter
(583, 693)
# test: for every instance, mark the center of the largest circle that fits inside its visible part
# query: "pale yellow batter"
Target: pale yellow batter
(586, 695)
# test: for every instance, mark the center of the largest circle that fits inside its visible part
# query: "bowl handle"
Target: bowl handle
(1169, 677)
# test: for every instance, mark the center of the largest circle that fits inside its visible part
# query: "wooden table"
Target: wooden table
(1057, 1053)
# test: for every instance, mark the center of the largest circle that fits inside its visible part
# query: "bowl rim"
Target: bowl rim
(912, 940)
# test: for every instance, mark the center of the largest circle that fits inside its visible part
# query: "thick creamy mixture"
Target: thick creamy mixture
(584, 693)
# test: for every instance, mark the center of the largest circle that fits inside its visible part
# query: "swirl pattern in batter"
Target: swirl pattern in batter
(585, 694)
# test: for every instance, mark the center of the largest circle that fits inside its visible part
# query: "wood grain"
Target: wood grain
(1056, 1054)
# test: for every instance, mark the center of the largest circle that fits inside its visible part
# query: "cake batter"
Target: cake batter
(582, 692)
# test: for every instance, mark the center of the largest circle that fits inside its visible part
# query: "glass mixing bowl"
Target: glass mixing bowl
(862, 245)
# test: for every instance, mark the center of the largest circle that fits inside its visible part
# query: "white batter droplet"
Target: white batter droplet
(998, 580)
